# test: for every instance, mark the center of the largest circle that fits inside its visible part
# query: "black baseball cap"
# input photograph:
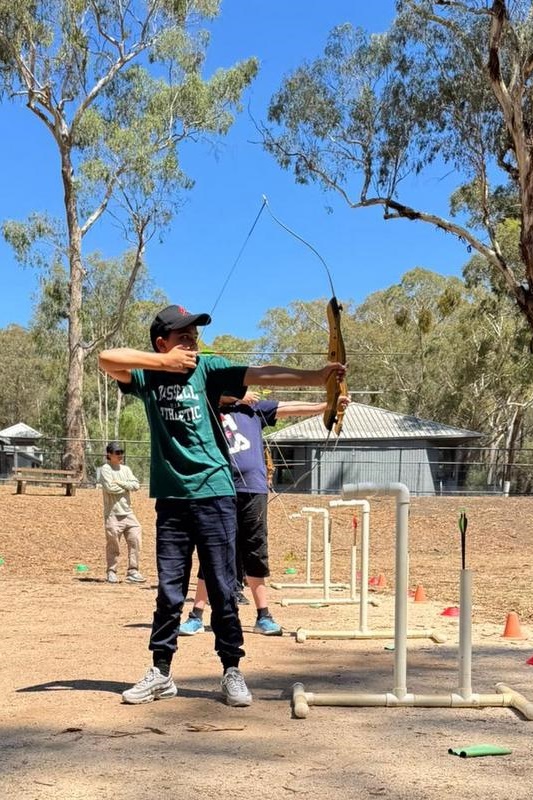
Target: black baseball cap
(173, 318)
(114, 447)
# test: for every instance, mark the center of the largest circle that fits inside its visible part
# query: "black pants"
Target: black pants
(209, 525)
(252, 537)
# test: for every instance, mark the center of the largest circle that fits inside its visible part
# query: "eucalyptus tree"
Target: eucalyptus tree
(238, 350)
(405, 330)
(450, 82)
(25, 393)
(297, 336)
(451, 350)
(118, 86)
(105, 282)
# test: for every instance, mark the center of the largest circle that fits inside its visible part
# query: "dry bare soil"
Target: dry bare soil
(71, 644)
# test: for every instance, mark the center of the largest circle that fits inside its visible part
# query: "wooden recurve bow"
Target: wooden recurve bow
(333, 415)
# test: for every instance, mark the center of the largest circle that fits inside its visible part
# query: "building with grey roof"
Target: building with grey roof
(375, 445)
(19, 448)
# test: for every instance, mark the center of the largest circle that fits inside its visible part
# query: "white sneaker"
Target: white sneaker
(154, 686)
(135, 577)
(112, 577)
(234, 688)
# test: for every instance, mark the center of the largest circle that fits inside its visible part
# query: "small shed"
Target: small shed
(375, 445)
(19, 447)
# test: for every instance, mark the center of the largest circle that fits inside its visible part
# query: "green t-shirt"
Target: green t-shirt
(189, 453)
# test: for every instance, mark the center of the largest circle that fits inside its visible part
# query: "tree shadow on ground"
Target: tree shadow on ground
(114, 687)
(79, 685)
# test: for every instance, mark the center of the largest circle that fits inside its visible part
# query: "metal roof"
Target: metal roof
(363, 422)
(20, 431)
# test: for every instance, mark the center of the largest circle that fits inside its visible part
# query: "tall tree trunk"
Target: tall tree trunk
(74, 452)
(118, 406)
(99, 389)
(105, 434)
(512, 439)
(493, 459)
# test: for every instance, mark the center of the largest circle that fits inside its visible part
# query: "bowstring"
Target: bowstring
(216, 413)
(239, 255)
(330, 279)
(301, 239)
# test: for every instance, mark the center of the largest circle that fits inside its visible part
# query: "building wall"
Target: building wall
(409, 465)
(325, 469)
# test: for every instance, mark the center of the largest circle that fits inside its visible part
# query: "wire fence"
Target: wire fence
(435, 471)
(424, 470)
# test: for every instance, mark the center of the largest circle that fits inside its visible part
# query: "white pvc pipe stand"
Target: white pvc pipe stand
(363, 632)
(301, 633)
(309, 584)
(327, 585)
(463, 697)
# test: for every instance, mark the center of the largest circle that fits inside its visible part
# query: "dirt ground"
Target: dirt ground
(72, 643)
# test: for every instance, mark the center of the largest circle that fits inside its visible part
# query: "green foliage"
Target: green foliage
(24, 393)
(235, 349)
(36, 242)
(133, 423)
(480, 271)
(470, 367)
(373, 109)
(471, 199)
(104, 288)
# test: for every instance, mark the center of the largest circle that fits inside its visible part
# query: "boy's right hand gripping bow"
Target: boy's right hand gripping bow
(336, 352)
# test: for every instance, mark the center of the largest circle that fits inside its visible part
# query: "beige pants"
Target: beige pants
(129, 527)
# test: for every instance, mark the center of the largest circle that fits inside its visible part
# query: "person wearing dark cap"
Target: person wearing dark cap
(117, 481)
(191, 479)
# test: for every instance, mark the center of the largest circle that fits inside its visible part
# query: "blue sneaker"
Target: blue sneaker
(191, 626)
(268, 627)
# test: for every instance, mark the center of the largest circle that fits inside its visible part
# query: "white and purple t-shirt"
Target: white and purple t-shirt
(243, 426)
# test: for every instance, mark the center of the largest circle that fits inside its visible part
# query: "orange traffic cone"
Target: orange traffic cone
(381, 584)
(420, 594)
(512, 627)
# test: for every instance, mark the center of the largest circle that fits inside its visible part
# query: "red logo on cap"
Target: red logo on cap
(182, 310)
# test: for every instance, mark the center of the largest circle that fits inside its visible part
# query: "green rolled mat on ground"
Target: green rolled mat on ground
(476, 750)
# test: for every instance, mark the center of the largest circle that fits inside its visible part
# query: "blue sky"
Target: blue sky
(364, 252)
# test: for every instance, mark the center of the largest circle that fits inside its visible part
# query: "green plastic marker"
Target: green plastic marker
(463, 525)
(476, 750)
(82, 568)
(291, 571)
(2, 562)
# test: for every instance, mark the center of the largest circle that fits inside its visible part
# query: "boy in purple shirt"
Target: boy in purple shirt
(244, 421)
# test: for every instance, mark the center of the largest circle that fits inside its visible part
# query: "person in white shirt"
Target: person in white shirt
(117, 481)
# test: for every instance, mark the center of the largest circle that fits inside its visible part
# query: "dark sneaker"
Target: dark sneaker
(234, 688)
(135, 577)
(154, 686)
(241, 599)
(268, 627)
(191, 626)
